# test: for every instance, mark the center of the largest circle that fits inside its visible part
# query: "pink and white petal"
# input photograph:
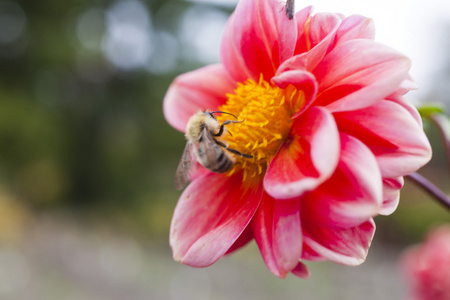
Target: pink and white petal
(297, 62)
(204, 88)
(210, 216)
(286, 33)
(230, 53)
(301, 271)
(321, 26)
(358, 74)
(287, 234)
(409, 107)
(320, 35)
(407, 85)
(392, 134)
(347, 246)
(355, 27)
(302, 18)
(391, 194)
(352, 195)
(263, 233)
(245, 237)
(257, 39)
(307, 158)
(302, 81)
(278, 234)
(309, 254)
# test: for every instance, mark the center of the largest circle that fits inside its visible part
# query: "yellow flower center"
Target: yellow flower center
(266, 112)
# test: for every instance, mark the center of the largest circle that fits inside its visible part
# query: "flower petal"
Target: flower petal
(210, 216)
(204, 88)
(407, 85)
(392, 134)
(301, 270)
(391, 195)
(302, 17)
(302, 81)
(359, 73)
(352, 195)
(320, 35)
(348, 246)
(308, 157)
(278, 234)
(355, 27)
(311, 255)
(257, 38)
(245, 237)
(321, 26)
(409, 107)
(297, 62)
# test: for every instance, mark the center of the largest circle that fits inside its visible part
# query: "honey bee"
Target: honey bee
(203, 146)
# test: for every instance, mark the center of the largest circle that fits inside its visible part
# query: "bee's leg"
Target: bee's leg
(239, 153)
(226, 122)
(234, 151)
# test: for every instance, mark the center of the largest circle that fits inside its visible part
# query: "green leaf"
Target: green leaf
(428, 109)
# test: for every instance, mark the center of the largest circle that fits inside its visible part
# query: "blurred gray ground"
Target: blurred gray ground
(61, 258)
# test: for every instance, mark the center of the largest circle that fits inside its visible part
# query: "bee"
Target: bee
(203, 145)
(290, 8)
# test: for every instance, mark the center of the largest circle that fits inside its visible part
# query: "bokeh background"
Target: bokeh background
(87, 160)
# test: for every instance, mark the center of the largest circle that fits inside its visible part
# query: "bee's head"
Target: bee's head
(210, 114)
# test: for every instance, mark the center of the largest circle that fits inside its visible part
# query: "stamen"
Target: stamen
(267, 121)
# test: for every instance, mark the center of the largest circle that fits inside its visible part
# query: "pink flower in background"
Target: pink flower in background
(329, 134)
(426, 267)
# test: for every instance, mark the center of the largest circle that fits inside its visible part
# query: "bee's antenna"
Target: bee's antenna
(222, 112)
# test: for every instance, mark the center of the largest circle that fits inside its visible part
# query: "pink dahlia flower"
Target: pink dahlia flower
(427, 267)
(329, 135)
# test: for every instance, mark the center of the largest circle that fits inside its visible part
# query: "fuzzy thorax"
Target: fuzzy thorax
(196, 124)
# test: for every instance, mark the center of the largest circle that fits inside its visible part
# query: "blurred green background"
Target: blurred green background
(87, 160)
(81, 89)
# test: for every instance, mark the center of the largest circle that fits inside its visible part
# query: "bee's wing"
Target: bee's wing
(209, 144)
(209, 151)
(184, 169)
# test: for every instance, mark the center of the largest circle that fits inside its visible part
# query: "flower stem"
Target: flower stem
(430, 188)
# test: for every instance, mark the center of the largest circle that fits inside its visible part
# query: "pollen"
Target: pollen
(265, 111)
